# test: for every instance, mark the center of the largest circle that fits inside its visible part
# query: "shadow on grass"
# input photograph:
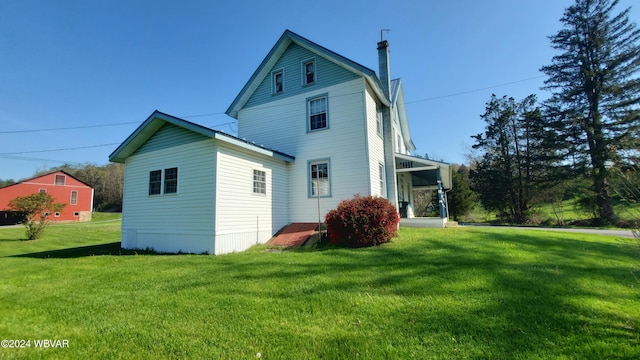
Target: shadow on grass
(84, 251)
(496, 295)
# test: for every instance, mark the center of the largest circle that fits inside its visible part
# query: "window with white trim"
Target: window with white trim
(60, 180)
(317, 113)
(171, 180)
(379, 122)
(309, 72)
(277, 81)
(74, 198)
(155, 182)
(259, 182)
(381, 175)
(320, 183)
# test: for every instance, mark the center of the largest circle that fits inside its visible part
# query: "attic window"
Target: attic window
(309, 72)
(60, 180)
(278, 82)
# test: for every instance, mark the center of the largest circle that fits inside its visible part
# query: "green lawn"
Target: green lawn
(432, 293)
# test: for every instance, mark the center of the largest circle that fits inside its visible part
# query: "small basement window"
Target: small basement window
(76, 214)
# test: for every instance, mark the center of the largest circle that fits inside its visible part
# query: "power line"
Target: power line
(67, 128)
(11, 157)
(268, 106)
(63, 149)
(474, 90)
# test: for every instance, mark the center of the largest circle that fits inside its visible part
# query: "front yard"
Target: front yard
(431, 293)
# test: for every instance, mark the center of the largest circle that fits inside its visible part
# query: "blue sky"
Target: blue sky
(94, 70)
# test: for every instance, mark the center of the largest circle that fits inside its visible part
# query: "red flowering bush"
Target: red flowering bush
(362, 221)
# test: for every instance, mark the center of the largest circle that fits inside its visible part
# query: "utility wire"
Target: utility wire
(64, 149)
(269, 106)
(475, 90)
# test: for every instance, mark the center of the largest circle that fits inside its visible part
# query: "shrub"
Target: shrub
(36, 208)
(362, 221)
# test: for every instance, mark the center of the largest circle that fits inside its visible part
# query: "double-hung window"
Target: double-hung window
(259, 182)
(320, 184)
(381, 175)
(74, 197)
(309, 72)
(277, 81)
(317, 113)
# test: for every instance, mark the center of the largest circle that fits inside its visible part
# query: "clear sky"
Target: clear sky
(94, 70)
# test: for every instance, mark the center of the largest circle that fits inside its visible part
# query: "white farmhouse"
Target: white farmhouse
(328, 128)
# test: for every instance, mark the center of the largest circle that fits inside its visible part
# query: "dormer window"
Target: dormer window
(309, 72)
(278, 81)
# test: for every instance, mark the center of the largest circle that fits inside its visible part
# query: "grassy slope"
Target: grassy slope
(450, 293)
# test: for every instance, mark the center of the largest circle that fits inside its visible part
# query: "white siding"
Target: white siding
(173, 222)
(282, 125)
(242, 217)
(375, 145)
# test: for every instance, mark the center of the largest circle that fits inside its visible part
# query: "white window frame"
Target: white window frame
(259, 182)
(379, 128)
(60, 183)
(324, 185)
(382, 175)
(170, 182)
(161, 184)
(74, 199)
(155, 182)
(312, 111)
(305, 80)
(274, 84)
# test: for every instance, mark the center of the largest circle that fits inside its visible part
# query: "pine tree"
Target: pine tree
(517, 155)
(596, 91)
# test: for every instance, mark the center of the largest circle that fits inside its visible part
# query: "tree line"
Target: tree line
(106, 180)
(588, 129)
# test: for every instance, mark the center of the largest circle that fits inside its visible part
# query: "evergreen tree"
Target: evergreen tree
(516, 157)
(461, 198)
(596, 91)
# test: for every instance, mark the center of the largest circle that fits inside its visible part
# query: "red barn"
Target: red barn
(63, 187)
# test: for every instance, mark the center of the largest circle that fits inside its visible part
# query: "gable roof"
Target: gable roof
(47, 174)
(276, 52)
(157, 119)
(397, 101)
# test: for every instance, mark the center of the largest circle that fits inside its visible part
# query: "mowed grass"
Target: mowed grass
(431, 293)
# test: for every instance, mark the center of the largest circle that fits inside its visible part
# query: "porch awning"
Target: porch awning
(424, 172)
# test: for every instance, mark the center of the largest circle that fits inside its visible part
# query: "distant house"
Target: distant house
(314, 128)
(62, 186)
